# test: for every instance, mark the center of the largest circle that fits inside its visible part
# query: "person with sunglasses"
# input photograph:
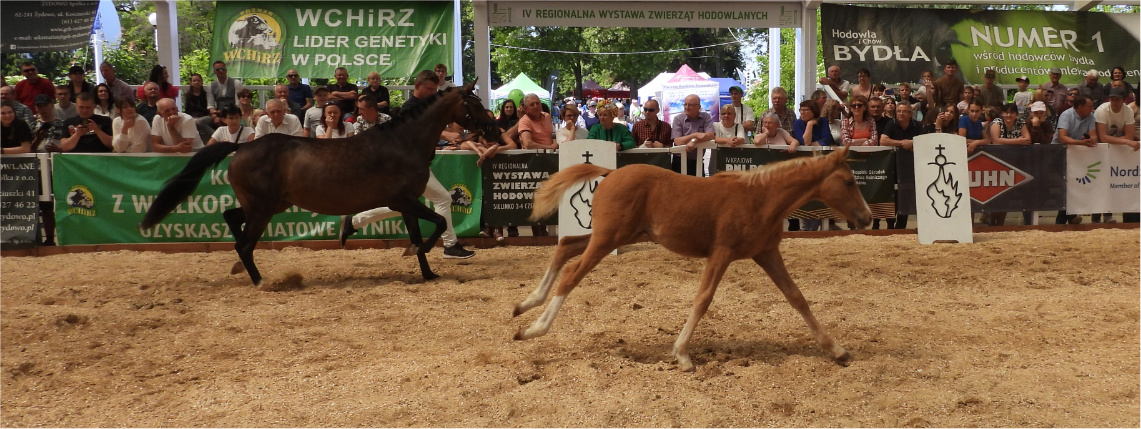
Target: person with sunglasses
(32, 85)
(652, 131)
(223, 92)
(860, 128)
(299, 93)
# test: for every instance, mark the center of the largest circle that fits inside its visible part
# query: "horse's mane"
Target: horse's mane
(766, 174)
(412, 114)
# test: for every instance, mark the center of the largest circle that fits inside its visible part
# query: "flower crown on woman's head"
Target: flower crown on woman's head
(606, 104)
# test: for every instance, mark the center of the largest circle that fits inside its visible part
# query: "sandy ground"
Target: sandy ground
(1022, 328)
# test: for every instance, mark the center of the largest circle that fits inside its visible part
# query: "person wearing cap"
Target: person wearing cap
(949, 88)
(1092, 89)
(745, 116)
(1039, 127)
(32, 85)
(1055, 90)
(49, 121)
(1115, 120)
(1023, 96)
(65, 109)
(990, 95)
(77, 82)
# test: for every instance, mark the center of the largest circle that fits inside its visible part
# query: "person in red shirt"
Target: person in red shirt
(32, 85)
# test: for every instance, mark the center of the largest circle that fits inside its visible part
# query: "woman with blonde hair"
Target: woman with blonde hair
(860, 128)
(607, 129)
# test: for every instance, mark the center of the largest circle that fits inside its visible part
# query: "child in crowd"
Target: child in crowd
(233, 132)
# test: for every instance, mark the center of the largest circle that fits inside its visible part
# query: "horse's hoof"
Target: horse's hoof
(431, 276)
(844, 360)
(410, 251)
(685, 365)
(238, 267)
(516, 311)
(519, 336)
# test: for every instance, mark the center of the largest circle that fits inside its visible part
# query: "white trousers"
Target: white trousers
(435, 193)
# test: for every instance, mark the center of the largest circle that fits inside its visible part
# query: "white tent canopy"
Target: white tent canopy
(655, 85)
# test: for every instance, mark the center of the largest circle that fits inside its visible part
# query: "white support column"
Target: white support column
(774, 58)
(482, 41)
(457, 67)
(806, 53)
(167, 30)
(798, 89)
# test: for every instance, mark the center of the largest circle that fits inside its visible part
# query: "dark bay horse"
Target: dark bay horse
(730, 216)
(385, 166)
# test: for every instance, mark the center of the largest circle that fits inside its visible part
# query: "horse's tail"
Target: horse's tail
(551, 191)
(179, 187)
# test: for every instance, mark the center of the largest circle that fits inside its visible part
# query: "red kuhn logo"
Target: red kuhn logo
(991, 177)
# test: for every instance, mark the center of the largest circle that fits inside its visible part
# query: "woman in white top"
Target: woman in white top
(772, 133)
(130, 131)
(233, 132)
(570, 130)
(727, 132)
(331, 126)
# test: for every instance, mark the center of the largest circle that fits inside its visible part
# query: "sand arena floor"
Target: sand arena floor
(1025, 328)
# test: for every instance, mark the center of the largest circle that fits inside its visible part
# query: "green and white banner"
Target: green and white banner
(394, 38)
(897, 45)
(1102, 179)
(102, 198)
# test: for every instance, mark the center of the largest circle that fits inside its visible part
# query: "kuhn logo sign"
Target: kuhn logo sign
(991, 177)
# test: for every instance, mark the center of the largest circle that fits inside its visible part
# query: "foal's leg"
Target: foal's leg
(773, 264)
(413, 225)
(714, 270)
(595, 251)
(235, 217)
(248, 240)
(568, 248)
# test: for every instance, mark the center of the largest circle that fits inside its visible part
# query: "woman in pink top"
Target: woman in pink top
(859, 129)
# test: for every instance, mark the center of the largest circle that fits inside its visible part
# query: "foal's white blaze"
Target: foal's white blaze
(540, 293)
(543, 324)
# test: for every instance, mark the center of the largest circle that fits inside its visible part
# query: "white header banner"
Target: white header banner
(1102, 179)
(646, 15)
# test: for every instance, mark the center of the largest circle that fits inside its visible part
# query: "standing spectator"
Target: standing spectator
(901, 132)
(651, 131)
(16, 136)
(343, 92)
(131, 132)
(332, 126)
(377, 91)
(1022, 97)
(441, 71)
(860, 128)
(990, 95)
(7, 94)
(590, 118)
(119, 90)
(926, 85)
(688, 129)
(919, 108)
(65, 109)
(570, 130)
(32, 85)
(876, 112)
(1055, 90)
(299, 93)
(949, 88)
(904, 94)
(88, 132)
(636, 107)
(161, 76)
(1092, 89)
(194, 101)
(233, 132)
(276, 120)
(1118, 75)
(148, 107)
(368, 115)
(811, 129)
(833, 112)
(607, 129)
(971, 127)
(863, 84)
(281, 92)
(507, 115)
(173, 131)
(313, 115)
(969, 96)
(743, 113)
(77, 82)
(779, 98)
(105, 101)
(1076, 126)
(838, 84)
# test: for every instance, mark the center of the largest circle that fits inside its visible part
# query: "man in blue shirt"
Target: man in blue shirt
(689, 129)
(1076, 126)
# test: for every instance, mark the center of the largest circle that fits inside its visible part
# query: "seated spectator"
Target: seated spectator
(119, 90)
(608, 130)
(570, 130)
(377, 91)
(77, 82)
(26, 90)
(1043, 96)
(878, 90)
(920, 106)
(105, 101)
(281, 92)
(299, 92)
(1076, 126)
(536, 131)
(1115, 124)
(811, 129)
(589, 118)
(860, 128)
(507, 115)
(486, 150)
(246, 103)
(332, 127)
(131, 132)
(148, 106)
(967, 98)
(904, 95)
(160, 76)
(65, 108)
(276, 120)
(944, 120)
(1041, 132)
(728, 132)
(7, 94)
(314, 115)
(16, 136)
(1118, 75)
(971, 127)
(48, 123)
(173, 131)
(88, 132)
(1007, 129)
(650, 131)
(772, 133)
(832, 111)
(368, 114)
(255, 117)
(233, 132)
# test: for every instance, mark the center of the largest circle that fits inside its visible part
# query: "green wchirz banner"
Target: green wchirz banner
(102, 198)
(897, 45)
(394, 38)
